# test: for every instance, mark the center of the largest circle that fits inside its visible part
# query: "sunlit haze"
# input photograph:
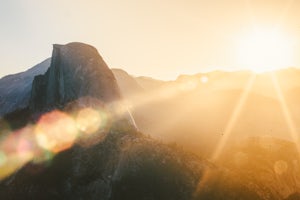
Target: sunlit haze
(264, 50)
(161, 39)
(173, 100)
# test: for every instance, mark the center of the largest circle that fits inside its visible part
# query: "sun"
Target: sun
(264, 50)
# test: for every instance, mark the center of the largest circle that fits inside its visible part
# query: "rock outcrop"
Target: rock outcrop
(15, 89)
(77, 70)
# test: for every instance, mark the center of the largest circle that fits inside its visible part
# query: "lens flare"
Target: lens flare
(16, 150)
(204, 79)
(89, 120)
(9, 167)
(24, 150)
(25, 144)
(56, 131)
(3, 158)
(43, 156)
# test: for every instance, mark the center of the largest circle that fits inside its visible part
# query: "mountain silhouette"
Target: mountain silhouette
(116, 162)
(120, 160)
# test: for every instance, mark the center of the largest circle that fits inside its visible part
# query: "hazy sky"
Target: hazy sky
(158, 38)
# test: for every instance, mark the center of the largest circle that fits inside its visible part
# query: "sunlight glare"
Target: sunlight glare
(228, 129)
(264, 50)
(56, 131)
(3, 158)
(286, 112)
(233, 118)
(204, 79)
(88, 120)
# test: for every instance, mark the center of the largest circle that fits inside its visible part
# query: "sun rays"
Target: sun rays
(43, 140)
(261, 51)
(266, 47)
(236, 114)
(286, 112)
(228, 129)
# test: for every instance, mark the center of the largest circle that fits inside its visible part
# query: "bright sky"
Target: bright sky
(156, 38)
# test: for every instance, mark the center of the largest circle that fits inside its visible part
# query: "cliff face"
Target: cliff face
(15, 89)
(77, 70)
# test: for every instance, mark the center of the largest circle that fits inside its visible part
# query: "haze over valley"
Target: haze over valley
(150, 100)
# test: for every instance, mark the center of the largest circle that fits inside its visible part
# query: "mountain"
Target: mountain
(196, 113)
(72, 76)
(74, 138)
(203, 109)
(15, 89)
(149, 83)
(61, 155)
(128, 84)
(271, 163)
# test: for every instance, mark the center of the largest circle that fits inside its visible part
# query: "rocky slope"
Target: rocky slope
(269, 165)
(15, 89)
(114, 163)
(202, 111)
(123, 167)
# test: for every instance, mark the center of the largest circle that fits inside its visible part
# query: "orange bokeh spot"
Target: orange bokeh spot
(88, 120)
(55, 131)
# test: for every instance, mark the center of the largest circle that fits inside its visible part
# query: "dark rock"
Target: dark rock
(77, 70)
(15, 89)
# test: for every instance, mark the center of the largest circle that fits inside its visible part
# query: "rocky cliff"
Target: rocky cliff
(15, 89)
(77, 70)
